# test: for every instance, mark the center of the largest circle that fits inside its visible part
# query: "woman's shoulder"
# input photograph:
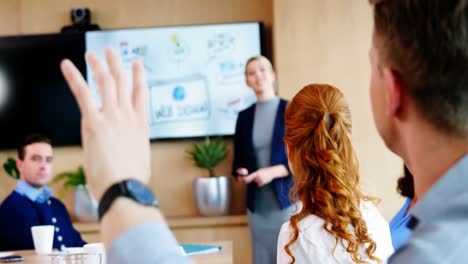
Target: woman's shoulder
(311, 231)
(247, 111)
(373, 217)
(311, 227)
(308, 223)
(370, 212)
(283, 101)
(378, 229)
(314, 244)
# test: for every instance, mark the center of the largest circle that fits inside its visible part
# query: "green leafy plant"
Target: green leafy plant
(71, 179)
(10, 168)
(208, 154)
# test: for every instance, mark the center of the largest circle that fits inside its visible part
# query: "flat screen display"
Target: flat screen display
(34, 97)
(195, 74)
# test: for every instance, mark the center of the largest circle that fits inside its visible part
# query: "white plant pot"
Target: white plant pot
(212, 195)
(86, 207)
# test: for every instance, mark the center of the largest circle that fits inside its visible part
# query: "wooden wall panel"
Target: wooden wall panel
(40, 16)
(9, 20)
(320, 41)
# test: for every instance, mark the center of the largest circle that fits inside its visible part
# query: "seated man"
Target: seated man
(31, 203)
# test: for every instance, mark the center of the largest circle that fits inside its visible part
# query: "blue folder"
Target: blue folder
(193, 249)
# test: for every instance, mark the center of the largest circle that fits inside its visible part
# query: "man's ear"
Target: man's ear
(19, 164)
(394, 92)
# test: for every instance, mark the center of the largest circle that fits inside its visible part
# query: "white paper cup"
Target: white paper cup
(43, 238)
(96, 248)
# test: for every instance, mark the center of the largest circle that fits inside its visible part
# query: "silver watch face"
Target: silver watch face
(140, 192)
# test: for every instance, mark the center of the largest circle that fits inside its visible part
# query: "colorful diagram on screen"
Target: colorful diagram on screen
(179, 99)
(178, 50)
(230, 71)
(130, 53)
(220, 44)
(178, 93)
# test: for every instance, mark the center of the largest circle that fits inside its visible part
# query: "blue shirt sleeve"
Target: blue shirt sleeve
(146, 243)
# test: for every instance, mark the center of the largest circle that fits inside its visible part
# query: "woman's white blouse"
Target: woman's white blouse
(315, 245)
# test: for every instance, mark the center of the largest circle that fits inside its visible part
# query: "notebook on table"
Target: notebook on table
(194, 249)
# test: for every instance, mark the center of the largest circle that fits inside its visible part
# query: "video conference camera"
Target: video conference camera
(81, 21)
(81, 16)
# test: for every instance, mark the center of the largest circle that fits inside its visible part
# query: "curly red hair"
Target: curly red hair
(325, 168)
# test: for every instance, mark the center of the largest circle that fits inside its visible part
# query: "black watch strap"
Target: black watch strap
(139, 193)
(108, 198)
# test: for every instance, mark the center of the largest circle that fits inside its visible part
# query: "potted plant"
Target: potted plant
(10, 168)
(212, 194)
(85, 206)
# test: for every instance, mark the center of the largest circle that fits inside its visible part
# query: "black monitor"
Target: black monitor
(34, 97)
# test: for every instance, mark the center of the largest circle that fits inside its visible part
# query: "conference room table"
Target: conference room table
(222, 257)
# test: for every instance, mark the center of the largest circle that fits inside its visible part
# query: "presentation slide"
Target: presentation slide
(195, 74)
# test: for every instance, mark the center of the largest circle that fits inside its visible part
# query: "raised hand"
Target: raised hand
(115, 136)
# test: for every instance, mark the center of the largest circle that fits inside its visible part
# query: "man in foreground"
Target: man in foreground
(419, 94)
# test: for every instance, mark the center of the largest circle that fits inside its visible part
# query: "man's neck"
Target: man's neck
(429, 154)
(263, 97)
(39, 188)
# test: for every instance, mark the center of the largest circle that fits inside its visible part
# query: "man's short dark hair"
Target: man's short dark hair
(426, 43)
(406, 184)
(31, 139)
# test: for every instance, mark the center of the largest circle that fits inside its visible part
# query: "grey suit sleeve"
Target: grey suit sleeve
(146, 243)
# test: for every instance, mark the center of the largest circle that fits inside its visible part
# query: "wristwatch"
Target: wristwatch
(130, 188)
